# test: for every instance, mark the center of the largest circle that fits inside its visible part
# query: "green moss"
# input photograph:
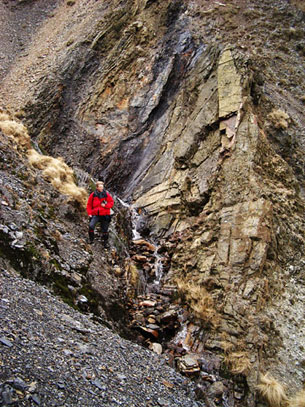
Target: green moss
(32, 250)
(91, 186)
(92, 297)
(23, 176)
(56, 264)
(51, 212)
(60, 287)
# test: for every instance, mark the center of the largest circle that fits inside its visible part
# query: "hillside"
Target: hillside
(192, 112)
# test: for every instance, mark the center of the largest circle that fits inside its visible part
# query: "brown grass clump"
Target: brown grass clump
(238, 362)
(57, 172)
(15, 130)
(298, 400)
(200, 301)
(272, 391)
(54, 169)
(227, 346)
(279, 119)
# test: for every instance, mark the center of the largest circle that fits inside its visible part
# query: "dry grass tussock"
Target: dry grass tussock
(298, 400)
(200, 301)
(238, 362)
(15, 130)
(272, 391)
(59, 175)
(54, 169)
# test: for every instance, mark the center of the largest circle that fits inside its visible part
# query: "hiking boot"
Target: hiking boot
(91, 236)
(105, 240)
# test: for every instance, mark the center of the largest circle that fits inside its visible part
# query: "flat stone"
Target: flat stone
(142, 242)
(229, 88)
(6, 342)
(148, 303)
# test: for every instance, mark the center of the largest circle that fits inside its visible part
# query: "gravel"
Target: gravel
(51, 355)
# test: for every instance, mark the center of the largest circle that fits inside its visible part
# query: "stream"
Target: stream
(163, 324)
(137, 221)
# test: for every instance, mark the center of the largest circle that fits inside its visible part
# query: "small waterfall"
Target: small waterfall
(180, 338)
(158, 268)
(136, 221)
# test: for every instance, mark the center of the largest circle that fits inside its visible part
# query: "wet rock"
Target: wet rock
(146, 244)
(148, 303)
(186, 137)
(149, 332)
(168, 316)
(139, 258)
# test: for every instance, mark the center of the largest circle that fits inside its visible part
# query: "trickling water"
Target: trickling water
(123, 203)
(180, 338)
(136, 221)
(158, 268)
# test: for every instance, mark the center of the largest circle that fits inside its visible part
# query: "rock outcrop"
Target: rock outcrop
(192, 111)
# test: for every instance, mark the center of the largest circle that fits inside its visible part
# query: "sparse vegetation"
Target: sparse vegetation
(200, 301)
(238, 362)
(298, 400)
(133, 278)
(14, 129)
(272, 391)
(55, 170)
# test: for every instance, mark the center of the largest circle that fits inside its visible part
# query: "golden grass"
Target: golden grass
(227, 346)
(54, 170)
(133, 275)
(238, 362)
(272, 391)
(200, 301)
(15, 130)
(57, 172)
(298, 400)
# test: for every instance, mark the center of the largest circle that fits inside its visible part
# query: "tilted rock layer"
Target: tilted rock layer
(194, 111)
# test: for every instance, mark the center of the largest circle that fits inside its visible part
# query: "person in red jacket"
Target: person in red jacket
(98, 208)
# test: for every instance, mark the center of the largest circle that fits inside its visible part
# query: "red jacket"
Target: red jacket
(94, 205)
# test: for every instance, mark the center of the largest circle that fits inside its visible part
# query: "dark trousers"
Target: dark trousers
(104, 221)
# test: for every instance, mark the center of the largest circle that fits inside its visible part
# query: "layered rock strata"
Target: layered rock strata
(193, 111)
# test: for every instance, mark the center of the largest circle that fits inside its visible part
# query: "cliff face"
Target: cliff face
(194, 112)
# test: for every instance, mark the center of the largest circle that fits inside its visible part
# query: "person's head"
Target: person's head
(99, 186)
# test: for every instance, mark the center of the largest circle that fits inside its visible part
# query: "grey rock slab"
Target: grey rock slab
(6, 342)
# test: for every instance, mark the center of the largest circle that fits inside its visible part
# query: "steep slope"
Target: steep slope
(193, 111)
(54, 355)
(43, 230)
